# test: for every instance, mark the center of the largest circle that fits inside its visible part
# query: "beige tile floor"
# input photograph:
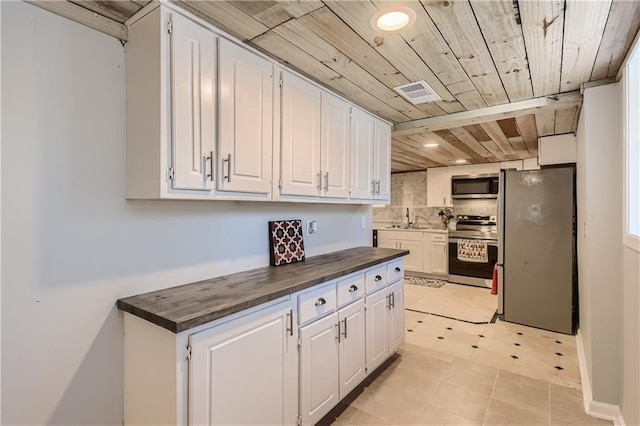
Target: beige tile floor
(452, 372)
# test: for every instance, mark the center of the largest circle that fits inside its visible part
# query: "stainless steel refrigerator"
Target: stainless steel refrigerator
(537, 275)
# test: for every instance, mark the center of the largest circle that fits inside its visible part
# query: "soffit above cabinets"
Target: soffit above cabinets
(479, 56)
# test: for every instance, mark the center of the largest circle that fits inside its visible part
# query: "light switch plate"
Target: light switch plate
(363, 222)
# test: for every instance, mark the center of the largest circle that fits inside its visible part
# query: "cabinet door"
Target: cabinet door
(246, 120)
(318, 369)
(244, 371)
(439, 259)
(414, 261)
(396, 316)
(392, 244)
(335, 146)
(300, 154)
(376, 327)
(382, 163)
(193, 79)
(439, 187)
(352, 355)
(361, 180)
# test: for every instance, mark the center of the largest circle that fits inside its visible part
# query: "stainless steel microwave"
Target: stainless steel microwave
(475, 186)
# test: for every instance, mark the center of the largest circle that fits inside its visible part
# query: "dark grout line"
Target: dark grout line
(493, 319)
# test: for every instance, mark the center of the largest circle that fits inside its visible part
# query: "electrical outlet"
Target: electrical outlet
(312, 227)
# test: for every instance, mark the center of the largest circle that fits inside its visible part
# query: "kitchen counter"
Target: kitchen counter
(439, 230)
(190, 305)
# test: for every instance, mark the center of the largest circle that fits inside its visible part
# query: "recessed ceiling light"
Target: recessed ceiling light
(431, 145)
(460, 161)
(392, 19)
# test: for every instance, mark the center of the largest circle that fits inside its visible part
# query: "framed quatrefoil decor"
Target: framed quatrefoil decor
(286, 243)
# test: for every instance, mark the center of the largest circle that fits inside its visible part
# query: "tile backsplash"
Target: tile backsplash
(409, 191)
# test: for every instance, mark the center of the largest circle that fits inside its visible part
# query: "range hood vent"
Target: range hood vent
(417, 92)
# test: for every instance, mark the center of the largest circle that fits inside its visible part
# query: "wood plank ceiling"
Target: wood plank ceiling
(507, 71)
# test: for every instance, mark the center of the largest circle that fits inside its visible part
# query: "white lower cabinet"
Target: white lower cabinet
(436, 257)
(258, 366)
(332, 361)
(243, 372)
(384, 323)
(407, 240)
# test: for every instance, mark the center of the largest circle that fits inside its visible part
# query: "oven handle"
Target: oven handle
(492, 243)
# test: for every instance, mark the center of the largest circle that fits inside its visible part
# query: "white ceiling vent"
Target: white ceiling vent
(417, 92)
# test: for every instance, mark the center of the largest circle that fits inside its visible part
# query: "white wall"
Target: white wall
(630, 400)
(599, 238)
(609, 272)
(72, 244)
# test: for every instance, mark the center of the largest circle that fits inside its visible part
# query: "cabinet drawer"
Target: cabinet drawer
(350, 289)
(439, 237)
(316, 303)
(395, 270)
(376, 278)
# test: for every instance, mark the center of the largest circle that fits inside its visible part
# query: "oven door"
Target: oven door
(481, 270)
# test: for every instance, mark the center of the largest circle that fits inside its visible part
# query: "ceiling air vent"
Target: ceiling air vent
(417, 92)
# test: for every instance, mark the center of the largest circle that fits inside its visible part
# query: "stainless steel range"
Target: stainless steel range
(473, 250)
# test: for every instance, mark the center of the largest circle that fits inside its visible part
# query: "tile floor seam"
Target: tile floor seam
(486, 411)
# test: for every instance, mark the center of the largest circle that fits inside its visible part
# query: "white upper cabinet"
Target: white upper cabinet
(439, 187)
(362, 184)
(382, 160)
(300, 133)
(171, 107)
(370, 157)
(335, 137)
(193, 103)
(315, 141)
(246, 120)
(201, 123)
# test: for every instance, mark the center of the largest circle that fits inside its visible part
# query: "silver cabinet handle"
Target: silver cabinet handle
(373, 187)
(353, 288)
(388, 297)
(345, 329)
(210, 159)
(398, 269)
(290, 328)
(326, 182)
(378, 187)
(378, 278)
(392, 298)
(319, 176)
(338, 328)
(321, 301)
(228, 161)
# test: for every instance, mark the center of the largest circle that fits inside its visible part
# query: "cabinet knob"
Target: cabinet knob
(378, 278)
(398, 269)
(353, 288)
(320, 301)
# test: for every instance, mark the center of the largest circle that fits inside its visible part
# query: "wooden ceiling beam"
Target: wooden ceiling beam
(85, 17)
(514, 109)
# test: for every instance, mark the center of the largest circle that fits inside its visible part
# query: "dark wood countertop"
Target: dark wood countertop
(190, 305)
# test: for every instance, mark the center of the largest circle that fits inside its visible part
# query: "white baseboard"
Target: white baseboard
(593, 408)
